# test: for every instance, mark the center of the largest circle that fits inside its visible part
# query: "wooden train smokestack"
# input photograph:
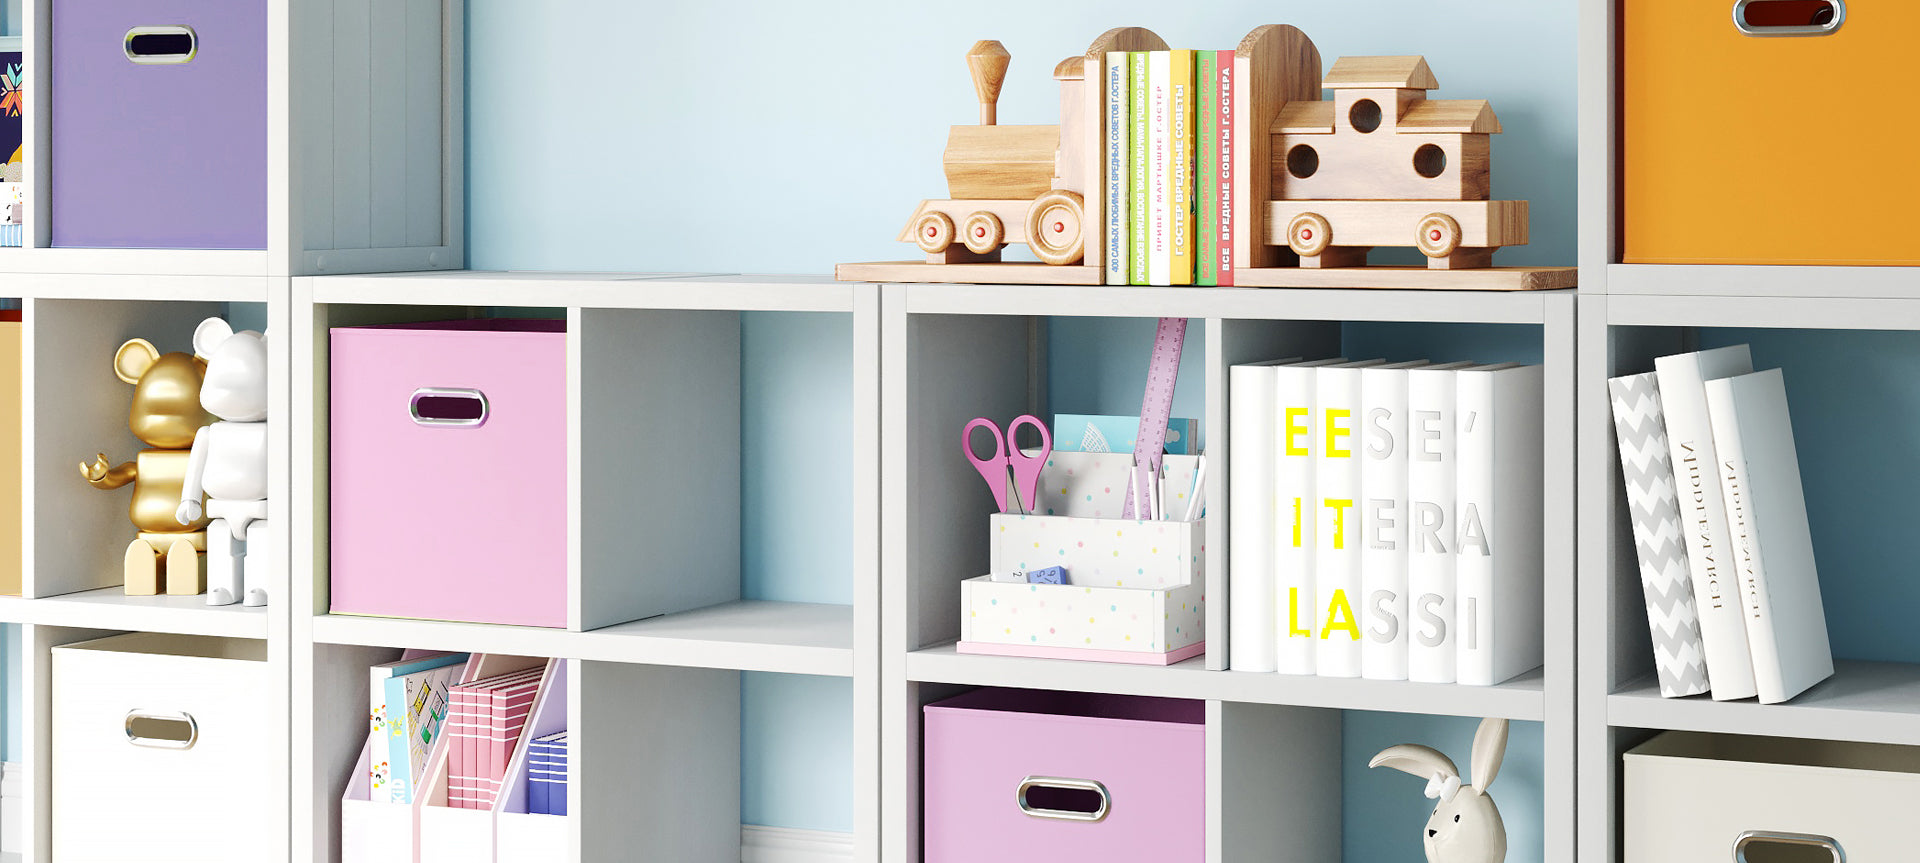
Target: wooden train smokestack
(987, 62)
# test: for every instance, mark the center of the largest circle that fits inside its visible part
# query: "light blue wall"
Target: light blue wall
(796, 747)
(796, 497)
(786, 137)
(10, 645)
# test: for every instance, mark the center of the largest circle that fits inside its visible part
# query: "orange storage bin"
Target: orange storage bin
(1770, 149)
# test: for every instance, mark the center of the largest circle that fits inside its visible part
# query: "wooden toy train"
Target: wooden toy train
(1325, 180)
(1006, 181)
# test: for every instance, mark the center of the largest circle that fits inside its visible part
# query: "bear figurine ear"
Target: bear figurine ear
(133, 359)
(209, 335)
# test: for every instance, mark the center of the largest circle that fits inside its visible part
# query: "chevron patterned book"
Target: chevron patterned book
(1646, 466)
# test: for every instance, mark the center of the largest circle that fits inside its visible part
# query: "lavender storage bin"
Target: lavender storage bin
(159, 124)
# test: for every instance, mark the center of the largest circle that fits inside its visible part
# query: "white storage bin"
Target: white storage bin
(124, 788)
(1703, 798)
(1135, 592)
(373, 831)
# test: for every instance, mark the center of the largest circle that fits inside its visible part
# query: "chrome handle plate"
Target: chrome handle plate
(1032, 782)
(1768, 837)
(186, 728)
(167, 45)
(1826, 28)
(440, 397)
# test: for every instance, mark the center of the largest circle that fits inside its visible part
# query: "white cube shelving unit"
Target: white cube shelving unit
(659, 632)
(365, 147)
(1629, 314)
(952, 352)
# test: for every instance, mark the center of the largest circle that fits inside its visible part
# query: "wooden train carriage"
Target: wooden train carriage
(1382, 165)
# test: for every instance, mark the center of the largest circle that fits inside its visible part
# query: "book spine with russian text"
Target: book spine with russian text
(1180, 167)
(1117, 168)
(1207, 176)
(1138, 184)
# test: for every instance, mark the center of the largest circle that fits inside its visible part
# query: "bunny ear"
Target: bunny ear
(1415, 760)
(1489, 747)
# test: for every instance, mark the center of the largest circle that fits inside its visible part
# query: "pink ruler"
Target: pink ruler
(1157, 406)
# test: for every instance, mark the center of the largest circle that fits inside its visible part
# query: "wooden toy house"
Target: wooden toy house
(1380, 139)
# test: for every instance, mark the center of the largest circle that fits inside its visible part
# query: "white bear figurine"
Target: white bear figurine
(229, 462)
(1465, 826)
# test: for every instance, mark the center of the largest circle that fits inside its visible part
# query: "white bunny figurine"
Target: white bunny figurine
(229, 461)
(1466, 826)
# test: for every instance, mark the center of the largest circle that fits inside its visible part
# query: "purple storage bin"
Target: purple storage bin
(449, 464)
(1027, 776)
(159, 154)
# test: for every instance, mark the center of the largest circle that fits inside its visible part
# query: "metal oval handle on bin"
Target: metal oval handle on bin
(1760, 839)
(1089, 799)
(449, 407)
(1827, 17)
(171, 44)
(162, 730)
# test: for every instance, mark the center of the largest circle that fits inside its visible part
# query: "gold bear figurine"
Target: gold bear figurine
(165, 415)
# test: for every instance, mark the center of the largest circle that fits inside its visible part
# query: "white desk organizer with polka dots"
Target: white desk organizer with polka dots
(1136, 591)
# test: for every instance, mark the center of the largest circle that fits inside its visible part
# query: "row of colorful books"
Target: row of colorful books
(417, 701)
(1386, 519)
(1167, 168)
(1720, 528)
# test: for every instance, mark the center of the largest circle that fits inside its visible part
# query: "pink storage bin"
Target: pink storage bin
(1019, 775)
(449, 465)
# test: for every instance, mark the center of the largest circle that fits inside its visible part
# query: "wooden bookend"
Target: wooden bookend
(1274, 65)
(1094, 131)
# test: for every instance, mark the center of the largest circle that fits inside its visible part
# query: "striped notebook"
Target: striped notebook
(484, 721)
(547, 775)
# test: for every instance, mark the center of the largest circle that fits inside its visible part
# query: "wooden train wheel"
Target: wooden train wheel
(933, 232)
(1439, 235)
(983, 233)
(1053, 227)
(1308, 234)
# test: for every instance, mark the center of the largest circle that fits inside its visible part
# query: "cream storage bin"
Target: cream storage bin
(1709, 798)
(158, 747)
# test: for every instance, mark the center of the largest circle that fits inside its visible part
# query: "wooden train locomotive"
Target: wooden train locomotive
(1010, 184)
(1383, 165)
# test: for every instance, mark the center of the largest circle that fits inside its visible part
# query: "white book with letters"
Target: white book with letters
(1432, 441)
(1252, 623)
(1772, 548)
(1336, 554)
(1382, 602)
(1293, 491)
(1703, 511)
(1499, 574)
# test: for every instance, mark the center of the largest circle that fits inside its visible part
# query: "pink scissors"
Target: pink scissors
(1008, 457)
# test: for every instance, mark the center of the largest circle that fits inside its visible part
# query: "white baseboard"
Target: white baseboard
(783, 845)
(13, 790)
